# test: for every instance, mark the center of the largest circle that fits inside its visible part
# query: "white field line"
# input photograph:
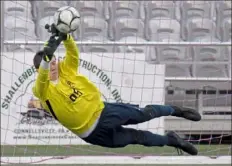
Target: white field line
(118, 160)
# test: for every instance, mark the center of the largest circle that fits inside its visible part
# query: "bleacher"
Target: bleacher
(147, 21)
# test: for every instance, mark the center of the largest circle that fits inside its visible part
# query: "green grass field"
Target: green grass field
(53, 150)
(34, 151)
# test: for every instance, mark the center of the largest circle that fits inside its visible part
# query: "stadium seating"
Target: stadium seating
(163, 28)
(46, 8)
(157, 9)
(192, 9)
(89, 8)
(91, 27)
(208, 53)
(210, 70)
(135, 21)
(124, 27)
(19, 29)
(197, 14)
(198, 27)
(225, 29)
(18, 9)
(171, 53)
(178, 70)
(43, 12)
(223, 11)
(123, 9)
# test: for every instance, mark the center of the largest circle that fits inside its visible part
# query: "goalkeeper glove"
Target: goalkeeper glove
(52, 44)
(50, 47)
(57, 33)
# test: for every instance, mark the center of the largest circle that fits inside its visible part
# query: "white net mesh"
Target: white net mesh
(130, 70)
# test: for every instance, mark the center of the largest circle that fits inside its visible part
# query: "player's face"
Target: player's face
(53, 69)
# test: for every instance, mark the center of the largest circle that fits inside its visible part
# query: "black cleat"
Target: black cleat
(177, 142)
(187, 113)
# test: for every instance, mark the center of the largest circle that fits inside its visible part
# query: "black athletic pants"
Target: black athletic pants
(110, 132)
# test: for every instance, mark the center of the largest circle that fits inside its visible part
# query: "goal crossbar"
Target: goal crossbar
(149, 160)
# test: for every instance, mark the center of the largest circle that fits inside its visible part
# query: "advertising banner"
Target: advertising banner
(120, 77)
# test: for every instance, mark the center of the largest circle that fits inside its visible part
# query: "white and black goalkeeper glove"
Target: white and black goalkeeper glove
(52, 44)
(50, 47)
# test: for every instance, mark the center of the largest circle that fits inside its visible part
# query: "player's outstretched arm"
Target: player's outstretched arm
(71, 59)
(42, 81)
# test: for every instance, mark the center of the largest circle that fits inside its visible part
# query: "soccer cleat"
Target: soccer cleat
(187, 113)
(175, 141)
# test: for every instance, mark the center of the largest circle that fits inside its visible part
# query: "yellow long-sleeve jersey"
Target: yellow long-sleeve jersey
(75, 100)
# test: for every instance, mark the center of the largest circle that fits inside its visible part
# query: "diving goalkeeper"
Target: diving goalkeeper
(76, 103)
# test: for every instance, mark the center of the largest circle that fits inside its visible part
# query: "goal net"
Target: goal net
(150, 52)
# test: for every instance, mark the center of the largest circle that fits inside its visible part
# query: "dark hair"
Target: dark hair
(38, 58)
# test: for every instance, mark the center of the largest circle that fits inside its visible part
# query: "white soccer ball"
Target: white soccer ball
(67, 19)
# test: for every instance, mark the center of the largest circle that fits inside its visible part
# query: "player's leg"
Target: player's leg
(117, 114)
(108, 129)
(125, 136)
(110, 133)
(120, 137)
(125, 114)
(182, 112)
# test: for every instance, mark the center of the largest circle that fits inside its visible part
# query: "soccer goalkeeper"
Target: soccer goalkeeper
(76, 103)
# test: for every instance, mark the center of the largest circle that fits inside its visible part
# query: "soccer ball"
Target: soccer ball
(67, 19)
